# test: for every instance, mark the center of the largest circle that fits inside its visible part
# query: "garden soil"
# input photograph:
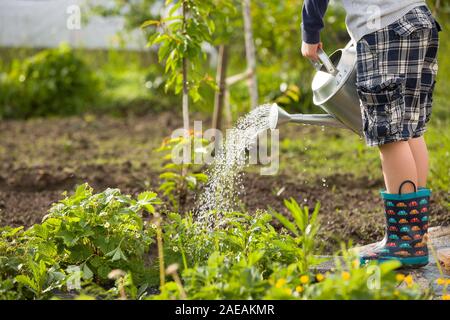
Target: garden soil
(42, 158)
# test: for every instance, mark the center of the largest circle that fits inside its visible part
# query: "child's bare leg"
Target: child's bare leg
(398, 165)
(420, 154)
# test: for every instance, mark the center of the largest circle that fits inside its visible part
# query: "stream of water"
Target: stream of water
(225, 174)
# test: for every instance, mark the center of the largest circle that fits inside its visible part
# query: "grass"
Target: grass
(320, 153)
(324, 152)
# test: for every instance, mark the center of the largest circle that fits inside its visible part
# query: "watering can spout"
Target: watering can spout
(279, 116)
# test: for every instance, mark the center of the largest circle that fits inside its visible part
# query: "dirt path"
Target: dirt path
(40, 159)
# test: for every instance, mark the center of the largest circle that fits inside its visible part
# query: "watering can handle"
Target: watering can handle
(326, 62)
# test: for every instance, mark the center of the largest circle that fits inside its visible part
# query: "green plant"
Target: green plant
(305, 228)
(180, 36)
(26, 276)
(53, 82)
(235, 259)
(95, 233)
(221, 277)
(351, 281)
(7, 290)
(243, 257)
(238, 235)
(124, 286)
(246, 258)
(180, 177)
(40, 279)
(99, 232)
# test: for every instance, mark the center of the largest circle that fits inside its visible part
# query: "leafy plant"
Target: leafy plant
(99, 232)
(41, 280)
(246, 258)
(350, 281)
(95, 233)
(305, 228)
(53, 82)
(179, 177)
(222, 278)
(180, 35)
(7, 290)
(242, 257)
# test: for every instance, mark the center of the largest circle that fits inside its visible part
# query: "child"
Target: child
(397, 43)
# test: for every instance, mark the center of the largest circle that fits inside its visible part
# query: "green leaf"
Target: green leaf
(103, 271)
(68, 237)
(169, 175)
(116, 254)
(285, 222)
(172, 18)
(27, 281)
(150, 23)
(87, 272)
(9, 232)
(175, 7)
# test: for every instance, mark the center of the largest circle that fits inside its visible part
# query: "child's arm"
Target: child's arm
(312, 16)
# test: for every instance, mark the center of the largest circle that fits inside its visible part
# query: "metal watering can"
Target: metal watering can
(334, 90)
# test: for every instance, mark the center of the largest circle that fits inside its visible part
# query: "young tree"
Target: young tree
(221, 78)
(180, 36)
(225, 22)
(250, 53)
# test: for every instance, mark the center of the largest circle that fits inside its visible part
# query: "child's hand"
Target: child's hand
(310, 50)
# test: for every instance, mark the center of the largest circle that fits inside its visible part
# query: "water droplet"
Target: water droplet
(225, 184)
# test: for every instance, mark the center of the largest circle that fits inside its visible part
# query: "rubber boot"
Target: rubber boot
(406, 224)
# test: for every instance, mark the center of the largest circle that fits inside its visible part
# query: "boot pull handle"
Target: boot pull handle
(405, 182)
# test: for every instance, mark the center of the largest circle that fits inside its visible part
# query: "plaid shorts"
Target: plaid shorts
(396, 72)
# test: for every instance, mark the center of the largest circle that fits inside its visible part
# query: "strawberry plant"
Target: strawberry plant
(238, 235)
(94, 232)
(98, 232)
(221, 277)
(243, 257)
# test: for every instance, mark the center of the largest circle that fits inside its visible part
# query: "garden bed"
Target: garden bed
(40, 159)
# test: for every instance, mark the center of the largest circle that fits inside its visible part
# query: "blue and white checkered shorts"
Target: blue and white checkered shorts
(396, 72)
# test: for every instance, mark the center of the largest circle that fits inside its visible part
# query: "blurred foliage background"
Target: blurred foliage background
(65, 81)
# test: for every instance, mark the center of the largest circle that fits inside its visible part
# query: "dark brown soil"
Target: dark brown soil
(350, 208)
(40, 159)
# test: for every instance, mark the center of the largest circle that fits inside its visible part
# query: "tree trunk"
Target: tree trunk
(186, 151)
(251, 53)
(221, 77)
(228, 115)
(185, 97)
(229, 82)
(437, 7)
(185, 80)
